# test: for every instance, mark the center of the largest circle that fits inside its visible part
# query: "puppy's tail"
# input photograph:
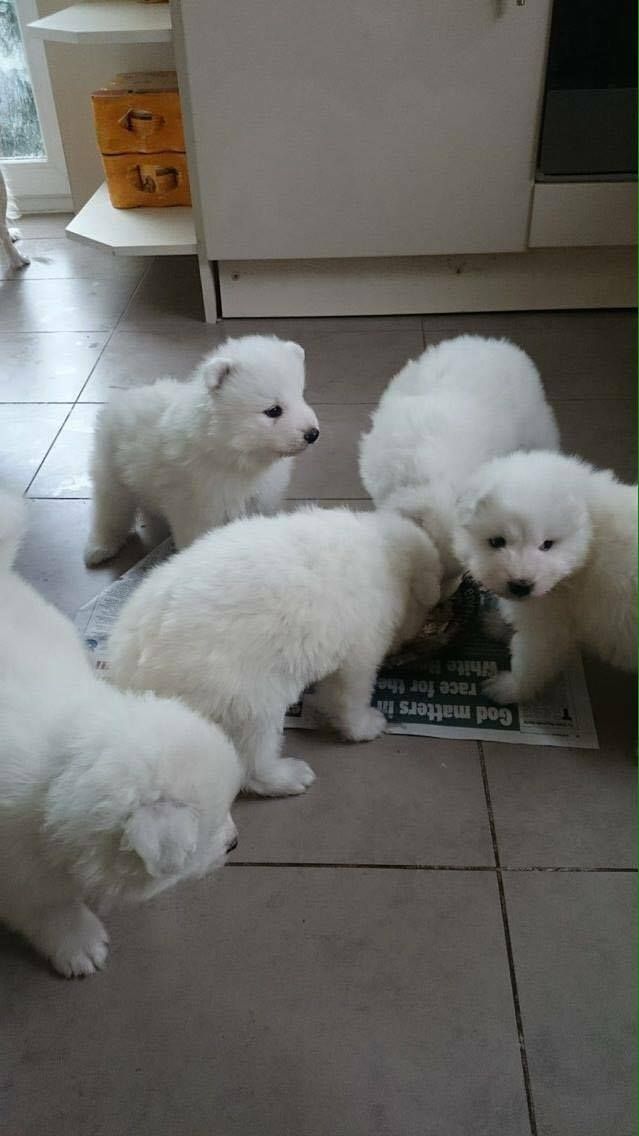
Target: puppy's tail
(13, 522)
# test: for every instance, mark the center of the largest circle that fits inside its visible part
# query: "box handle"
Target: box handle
(155, 179)
(141, 122)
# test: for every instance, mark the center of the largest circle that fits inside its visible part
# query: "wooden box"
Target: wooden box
(138, 122)
(136, 180)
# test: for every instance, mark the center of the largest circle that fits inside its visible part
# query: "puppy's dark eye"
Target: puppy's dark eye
(546, 545)
(273, 412)
(497, 541)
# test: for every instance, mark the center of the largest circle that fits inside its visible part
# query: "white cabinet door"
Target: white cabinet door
(364, 127)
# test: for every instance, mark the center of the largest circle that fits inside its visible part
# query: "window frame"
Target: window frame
(39, 183)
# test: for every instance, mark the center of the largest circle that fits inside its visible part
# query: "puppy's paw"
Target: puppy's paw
(287, 777)
(368, 725)
(82, 945)
(17, 259)
(502, 688)
(15, 234)
(98, 553)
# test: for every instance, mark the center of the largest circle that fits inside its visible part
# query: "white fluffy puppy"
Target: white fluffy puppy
(201, 453)
(556, 540)
(240, 623)
(9, 235)
(104, 796)
(462, 402)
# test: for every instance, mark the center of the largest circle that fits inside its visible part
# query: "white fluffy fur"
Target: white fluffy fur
(200, 453)
(103, 796)
(462, 402)
(240, 623)
(583, 590)
(9, 235)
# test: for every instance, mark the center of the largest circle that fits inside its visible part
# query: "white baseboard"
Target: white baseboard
(538, 279)
(51, 204)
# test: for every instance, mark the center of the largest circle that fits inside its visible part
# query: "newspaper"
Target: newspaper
(433, 696)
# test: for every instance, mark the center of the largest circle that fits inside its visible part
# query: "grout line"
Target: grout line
(109, 336)
(350, 866)
(133, 294)
(114, 329)
(48, 451)
(409, 867)
(541, 868)
(509, 948)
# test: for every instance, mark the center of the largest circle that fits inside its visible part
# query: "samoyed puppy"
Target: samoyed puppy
(198, 454)
(556, 540)
(104, 796)
(248, 616)
(462, 402)
(8, 234)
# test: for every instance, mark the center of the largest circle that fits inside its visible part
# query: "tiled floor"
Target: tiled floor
(437, 939)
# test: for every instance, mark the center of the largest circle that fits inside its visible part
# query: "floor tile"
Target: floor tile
(133, 358)
(394, 801)
(607, 439)
(558, 807)
(170, 296)
(329, 468)
(574, 944)
(44, 224)
(310, 327)
(584, 354)
(51, 554)
(26, 432)
(613, 697)
(63, 305)
(65, 473)
(49, 366)
(356, 367)
(347, 367)
(279, 1000)
(349, 361)
(59, 257)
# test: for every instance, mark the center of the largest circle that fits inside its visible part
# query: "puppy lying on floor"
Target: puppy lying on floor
(104, 796)
(462, 402)
(198, 454)
(556, 540)
(240, 623)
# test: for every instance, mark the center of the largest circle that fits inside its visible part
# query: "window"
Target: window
(20, 132)
(30, 144)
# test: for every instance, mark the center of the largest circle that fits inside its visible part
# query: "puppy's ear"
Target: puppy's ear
(214, 372)
(297, 349)
(164, 836)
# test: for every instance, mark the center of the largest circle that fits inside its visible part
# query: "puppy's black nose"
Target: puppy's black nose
(311, 435)
(519, 588)
(230, 847)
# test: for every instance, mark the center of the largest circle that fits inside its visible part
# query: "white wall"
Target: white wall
(75, 72)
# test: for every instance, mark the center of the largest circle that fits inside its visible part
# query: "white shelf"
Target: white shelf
(134, 232)
(107, 21)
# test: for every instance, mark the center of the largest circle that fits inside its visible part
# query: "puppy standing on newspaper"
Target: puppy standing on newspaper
(556, 541)
(461, 403)
(240, 623)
